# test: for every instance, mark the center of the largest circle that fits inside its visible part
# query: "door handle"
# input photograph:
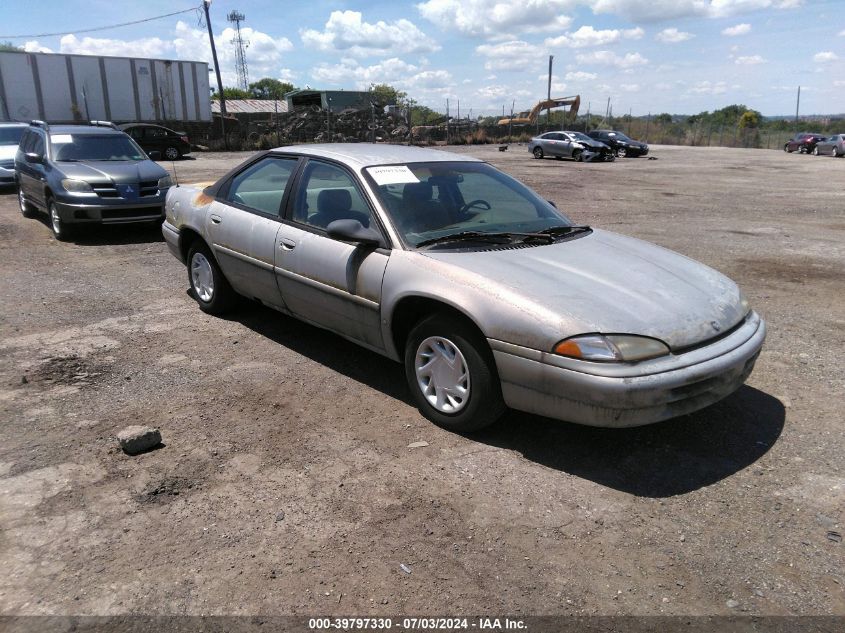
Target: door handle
(287, 244)
(216, 219)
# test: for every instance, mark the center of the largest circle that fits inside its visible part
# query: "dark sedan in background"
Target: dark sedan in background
(803, 142)
(621, 145)
(831, 146)
(155, 138)
(565, 144)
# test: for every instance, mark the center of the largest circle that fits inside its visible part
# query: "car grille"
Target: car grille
(146, 189)
(122, 213)
(7, 164)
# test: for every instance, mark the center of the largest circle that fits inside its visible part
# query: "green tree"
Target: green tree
(269, 88)
(8, 46)
(233, 93)
(749, 119)
(663, 119)
(384, 94)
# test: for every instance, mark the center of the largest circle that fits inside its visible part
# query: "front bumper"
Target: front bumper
(7, 176)
(120, 211)
(629, 394)
(171, 238)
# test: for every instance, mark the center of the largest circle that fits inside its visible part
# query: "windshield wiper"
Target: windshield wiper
(558, 231)
(478, 236)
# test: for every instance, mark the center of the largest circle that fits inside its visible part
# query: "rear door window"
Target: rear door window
(262, 185)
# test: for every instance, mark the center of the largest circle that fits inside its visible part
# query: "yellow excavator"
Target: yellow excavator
(527, 118)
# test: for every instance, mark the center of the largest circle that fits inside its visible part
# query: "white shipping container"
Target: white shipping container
(66, 88)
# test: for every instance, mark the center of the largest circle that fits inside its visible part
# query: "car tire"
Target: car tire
(538, 152)
(172, 153)
(833, 151)
(816, 150)
(61, 230)
(578, 155)
(27, 210)
(209, 288)
(465, 365)
(621, 152)
(786, 147)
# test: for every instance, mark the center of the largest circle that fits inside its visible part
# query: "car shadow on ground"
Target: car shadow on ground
(659, 460)
(111, 234)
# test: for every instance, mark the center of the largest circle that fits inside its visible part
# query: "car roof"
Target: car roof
(360, 155)
(99, 130)
(13, 124)
(125, 126)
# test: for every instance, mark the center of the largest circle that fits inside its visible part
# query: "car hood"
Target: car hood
(592, 143)
(117, 171)
(7, 152)
(609, 283)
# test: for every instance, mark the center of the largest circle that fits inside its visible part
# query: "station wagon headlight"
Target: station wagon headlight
(165, 182)
(611, 348)
(76, 186)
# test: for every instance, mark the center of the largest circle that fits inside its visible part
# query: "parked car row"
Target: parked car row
(81, 175)
(818, 144)
(488, 295)
(598, 145)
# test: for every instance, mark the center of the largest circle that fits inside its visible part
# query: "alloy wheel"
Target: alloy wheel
(442, 374)
(202, 277)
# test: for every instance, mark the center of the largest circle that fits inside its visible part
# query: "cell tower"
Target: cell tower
(236, 17)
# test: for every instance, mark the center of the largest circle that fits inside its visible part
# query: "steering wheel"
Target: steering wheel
(481, 204)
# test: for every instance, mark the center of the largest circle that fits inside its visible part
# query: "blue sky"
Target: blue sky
(678, 56)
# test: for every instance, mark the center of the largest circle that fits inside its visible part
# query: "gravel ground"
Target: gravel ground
(286, 486)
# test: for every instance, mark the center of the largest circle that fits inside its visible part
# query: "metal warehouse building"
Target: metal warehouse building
(67, 88)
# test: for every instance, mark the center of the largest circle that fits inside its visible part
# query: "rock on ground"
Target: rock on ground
(138, 439)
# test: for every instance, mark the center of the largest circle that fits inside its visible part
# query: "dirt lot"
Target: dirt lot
(285, 485)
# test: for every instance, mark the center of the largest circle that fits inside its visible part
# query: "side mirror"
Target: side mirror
(154, 155)
(32, 157)
(353, 231)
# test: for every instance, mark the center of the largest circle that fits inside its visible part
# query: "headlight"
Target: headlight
(577, 145)
(164, 183)
(76, 186)
(612, 348)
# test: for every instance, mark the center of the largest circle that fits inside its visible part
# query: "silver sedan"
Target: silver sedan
(489, 295)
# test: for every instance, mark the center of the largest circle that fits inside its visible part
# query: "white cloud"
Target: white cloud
(739, 29)
(264, 54)
(588, 36)
(513, 55)
(842, 33)
(609, 58)
(630, 87)
(346, 32)
(839, 83)
(34, 47)
(394, 71)
(709, 88)
(580, 75)
(491, 18)
(825, 57)
(673, 36)
(749, 60)
(662, 10)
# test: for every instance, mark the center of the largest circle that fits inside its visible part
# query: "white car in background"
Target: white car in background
(10, 136)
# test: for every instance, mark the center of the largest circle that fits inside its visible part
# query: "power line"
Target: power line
(99, 28)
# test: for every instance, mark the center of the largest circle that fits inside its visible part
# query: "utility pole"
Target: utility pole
(549, 92)
(797, 103)
(205, 5)
(447, 121)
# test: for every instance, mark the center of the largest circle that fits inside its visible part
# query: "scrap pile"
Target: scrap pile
(312, 124)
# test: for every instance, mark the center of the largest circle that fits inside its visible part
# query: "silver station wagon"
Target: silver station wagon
(489, 295)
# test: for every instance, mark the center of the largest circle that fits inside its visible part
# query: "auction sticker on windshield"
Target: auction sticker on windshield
(61, 138)
(392, 175)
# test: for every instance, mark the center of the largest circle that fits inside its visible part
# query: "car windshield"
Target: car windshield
(11, 135)
(75, 147)
(579, 136)
(620, 136)
(426, 201)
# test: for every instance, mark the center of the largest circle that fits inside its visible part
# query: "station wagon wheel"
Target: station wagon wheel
(538, 152)
(621, 152)
(451, 374)
(26, 209)
(578, 155)
(171, 153)
(61, 231)
(816, 150)
(833, 151)
(209, 287)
